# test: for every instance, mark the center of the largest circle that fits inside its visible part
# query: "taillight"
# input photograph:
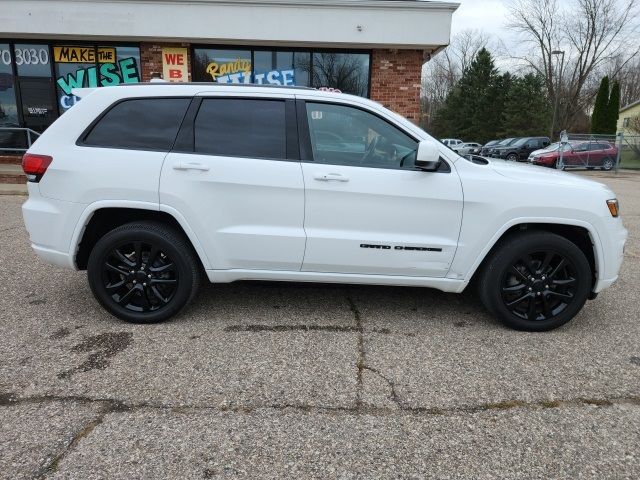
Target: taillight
(35, 166)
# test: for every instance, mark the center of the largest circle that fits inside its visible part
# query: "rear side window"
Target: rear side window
(239, 127)
(140, 124)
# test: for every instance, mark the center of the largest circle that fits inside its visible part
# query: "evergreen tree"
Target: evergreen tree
(613, 109)
(600, 109)
(470, 109)
(527, 111)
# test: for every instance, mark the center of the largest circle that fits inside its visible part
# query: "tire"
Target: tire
(607, 164)
(512, 157)
(136, 291)
(556, 295)
(558, 166)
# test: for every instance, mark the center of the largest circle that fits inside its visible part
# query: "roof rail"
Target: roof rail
(211, 84)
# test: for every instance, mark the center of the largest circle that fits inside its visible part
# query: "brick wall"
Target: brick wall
(396, 81)
(151, 58)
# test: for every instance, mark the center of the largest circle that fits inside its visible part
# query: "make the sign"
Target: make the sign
(174, 64)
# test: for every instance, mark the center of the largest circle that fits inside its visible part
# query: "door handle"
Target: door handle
(325, 177)
(191, 166)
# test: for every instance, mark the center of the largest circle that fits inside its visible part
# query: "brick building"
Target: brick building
(373, 48)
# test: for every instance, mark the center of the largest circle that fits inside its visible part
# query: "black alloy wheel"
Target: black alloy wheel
(139, 276)
(539, 286)
(143, 272)
(535, 280)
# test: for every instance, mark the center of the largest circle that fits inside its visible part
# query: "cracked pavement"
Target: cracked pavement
(273, 380)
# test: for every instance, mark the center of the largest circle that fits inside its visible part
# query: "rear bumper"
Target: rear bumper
(50, 224)
(62, 259)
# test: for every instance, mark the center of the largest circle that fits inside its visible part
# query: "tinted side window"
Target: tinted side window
(342, 135)
(142, 124)
(239, 127)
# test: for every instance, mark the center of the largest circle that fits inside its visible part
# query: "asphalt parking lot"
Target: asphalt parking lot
(259, 380)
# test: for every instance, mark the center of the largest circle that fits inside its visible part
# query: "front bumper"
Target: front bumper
(613, 253)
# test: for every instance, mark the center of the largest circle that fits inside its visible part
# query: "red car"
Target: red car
(587, 154)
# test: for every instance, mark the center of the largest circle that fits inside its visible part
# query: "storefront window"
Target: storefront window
(222, 66)
(281, 68)
(347, 72)
(8, 106)
(89, 67)
(344, 71)
(32, 60)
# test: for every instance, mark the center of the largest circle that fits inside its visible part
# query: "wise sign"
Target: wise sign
(174, 64)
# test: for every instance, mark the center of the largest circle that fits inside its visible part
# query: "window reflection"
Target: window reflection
(8, 105)
(281, 68)
(348, 72)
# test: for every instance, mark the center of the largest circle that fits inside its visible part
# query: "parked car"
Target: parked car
(501, 143)
(153, 187)
(579, 154)
(467, 148)
(520, 149)
(487, 147)
(549, 148)
(452, 142)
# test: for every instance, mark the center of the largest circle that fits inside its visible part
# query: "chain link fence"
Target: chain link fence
(589, 151)
(604, 152)
(629, 151)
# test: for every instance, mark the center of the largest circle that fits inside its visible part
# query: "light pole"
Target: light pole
(558, 79)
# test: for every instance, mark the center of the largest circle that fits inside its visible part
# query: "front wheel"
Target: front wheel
(559, 165)
(143, 272)
(607, 164)
(535, 281)
(512, 157)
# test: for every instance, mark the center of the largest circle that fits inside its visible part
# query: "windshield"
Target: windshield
(506, 141)
(522, 141)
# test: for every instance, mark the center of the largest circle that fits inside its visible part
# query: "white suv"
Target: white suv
(154, 186)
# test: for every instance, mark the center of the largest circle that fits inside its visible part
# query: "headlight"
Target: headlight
(614, 207)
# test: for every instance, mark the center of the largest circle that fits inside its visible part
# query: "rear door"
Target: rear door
(235, 175)
(120, 156)
(368, 210)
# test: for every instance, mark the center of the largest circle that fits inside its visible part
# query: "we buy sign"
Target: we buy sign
(174, 64)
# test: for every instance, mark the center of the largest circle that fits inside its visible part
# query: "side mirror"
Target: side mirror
(428, 156)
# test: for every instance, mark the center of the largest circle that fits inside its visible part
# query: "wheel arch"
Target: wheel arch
(581, 234)
(100, 218)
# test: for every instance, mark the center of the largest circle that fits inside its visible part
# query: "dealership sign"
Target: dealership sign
(239, 71)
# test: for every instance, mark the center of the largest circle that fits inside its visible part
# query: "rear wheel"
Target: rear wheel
(535, 281)
(143, 272)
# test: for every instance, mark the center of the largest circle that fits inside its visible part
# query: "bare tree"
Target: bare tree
(590, 32)
(444, 70)
(627, 74)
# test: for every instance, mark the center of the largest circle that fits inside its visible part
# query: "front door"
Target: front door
(38, 103)
(368, 210)
(238, 182)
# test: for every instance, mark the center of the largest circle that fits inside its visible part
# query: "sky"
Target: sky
(487, 15)
(490, 16)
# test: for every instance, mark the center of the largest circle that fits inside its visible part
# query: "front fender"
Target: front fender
(475, 256)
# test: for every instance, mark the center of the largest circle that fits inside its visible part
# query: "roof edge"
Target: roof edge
(381, 4)
(631, 105)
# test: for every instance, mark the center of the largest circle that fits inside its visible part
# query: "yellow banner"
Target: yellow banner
(84, 54)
